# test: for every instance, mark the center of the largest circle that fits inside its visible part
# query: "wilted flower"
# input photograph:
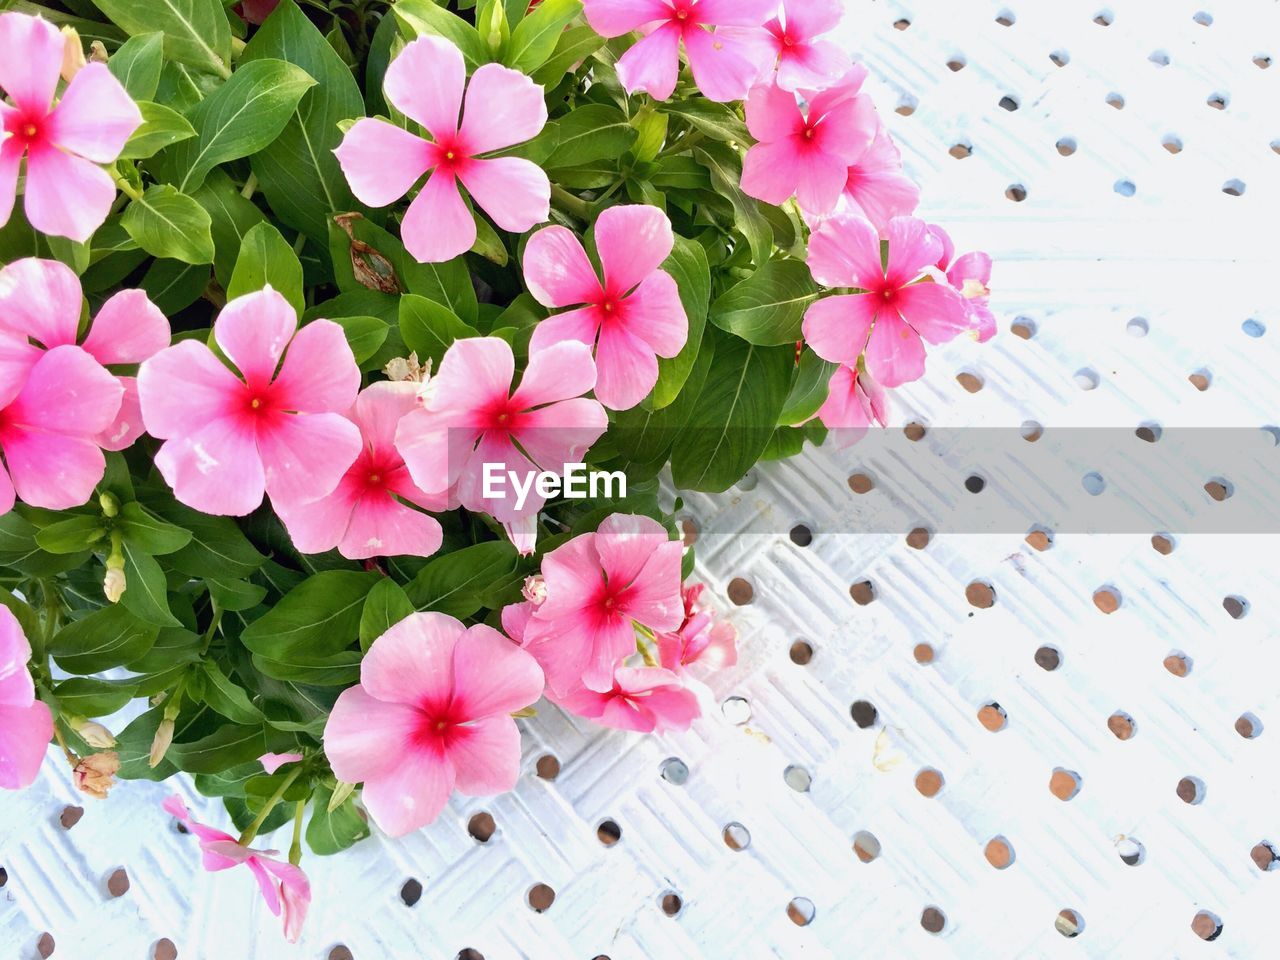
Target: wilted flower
(95, 774)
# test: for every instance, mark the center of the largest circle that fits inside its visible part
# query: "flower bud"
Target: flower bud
(113, 584)
(535, 589)
(72, 54)
(109, 504)
(94, 734)
(160, 745)
(95, 774)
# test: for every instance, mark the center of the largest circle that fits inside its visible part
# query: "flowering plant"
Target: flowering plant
(286, 285)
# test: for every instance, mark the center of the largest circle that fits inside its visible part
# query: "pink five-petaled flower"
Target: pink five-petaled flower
(631, 318)
(888, 320)
(228, 438)
(40, 301)
(790, 41)
(854, 404)
(471, 420)
(599, 586)
(875, 186)
(701, 638)
(970, 275)
(284, 886)
(503, 107)
(362, 517)
(67, 193)
(643, 699)
(722, 64)
(25, 722)
(807, 155)
(431, 714)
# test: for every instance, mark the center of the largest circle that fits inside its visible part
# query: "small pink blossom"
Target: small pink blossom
(67, 193)
(431, 714)
(807, 154)
(231, 437)
(40, 301)
(643, 699)
(631, 318)
(890, 318)
(26, 725)
(598, 587)
(470, 417)
(791, 43)
(722, 64)
(875, 186)
(701, 638)
(970, 275)
(854, 403)
(364, 517)
(503, 107)
(271, 762)
(284, 886)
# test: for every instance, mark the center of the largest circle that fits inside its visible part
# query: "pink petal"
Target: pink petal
(66, 195)
(653, 598)
(16, 686)
(411, 794)
(735, 13)
(319, 372)
(496, 448)
(845, 252)
(320, 525)
(17, 357)
(215, 469)
(613, 18)
(492, 676)
(627, 367)
(24, 738)
(365, 737)
(503, 108)
(879, 196)
(555, 373)
(486, 754)
(10, 160)
(253, 331)
(523, 534)
(378, 411)
(515, 620)
(623, 713)
(625, 542)
(633, 240)
(772, 113)
(381, 526)
(30, 60)
(184, 387)
(970, 266)
(8, 497)
(266, 885)
(837, 327)
(581, 325)
(811, 18)
(438, 226)
(41, 299)
(412, 662)
(67, 392)
(306, 455)
(573, 577)
(653, 64)
(435, 447)
(556, 269)
(95, 117)
(848, 129)
(655, 314)
(295, 894)
(129, 328)
(127, 425)
(563, 432)
(381, 161)
(51, 470)
(823, 101)
(475, 373)
(895, 353)
(770, 171)
(425, 83)
(271, 762)
(721, 66)
(811, 65)
(515, 192)
(912, 248)
(674, 708)
(611, 641)
(845, 407)
(935, 311)
(821, 181)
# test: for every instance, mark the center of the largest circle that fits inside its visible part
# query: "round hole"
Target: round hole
(1159, 58)
(1060, 58)
(740, 591)
(1201, 380)
(4, 876)
(1178, 663)
(1219, 489)
(1206, 925)
(918, 538)
(1150, 432)
(1024, 328)
(1008, 103)
(801, 911)
(410, 892)
(1191, 790)
(481, 827)
(1064, 784)
(929, 782)
(923, 653)
(1122, 725)
(1031, 431)
(1006, 18)
(688, 531)
(1137, 327)
(863, 592)
(671, 903)
(1131, 851)
(1249, 726)
(1107, 599)
(548, 767)
(674, 770)
(165, 949)
(1040, 538)
(1172, 144)
(1253, 328)
(748, 481)
(608, 832)
(864, 713)
(797, 778)
(974, 483)
(70, 816)
(1048, 658)
(801, 535)
(1066, 146)
(861, 483)
(736, 836)
(970, 381)
(801, 653)
(1125, 188)
(1218, 101)
(914, 431)
(1115, 100)
(1264, 856)
(1202, 18)
(999, 853)
(1262, 61)
(1236, 607)
(961, 151)
(901, 24)
(980, 594)
(956, 64)
(1086, 379)
(469, 953)
(118, 883)
(736, 710)
(45, 946)
(1162, 543)
(540, 898)
(933, 920)
(906, 105)
(993, 716)
(1016, 192)
(1104, 18)
(1234, 188)
(1093, 483)
(1069, 923)
(865, 846)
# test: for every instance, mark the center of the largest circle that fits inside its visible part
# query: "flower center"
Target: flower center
(973, 289)
(30, 131)
(375, 479)
(255, 403)
(787, 41)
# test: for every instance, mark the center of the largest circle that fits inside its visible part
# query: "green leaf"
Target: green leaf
(26, 616)
(320, 616)
(228, 699)
(217, 547)
(687, 265)
(767, 307)
(235, 596)
(572, 47)
(146, 593)
(809, 391)
(167, 223)
(148, 532)
(137, 65)
(429, 329)
(385, 606)
(719, 121)
(240, 118)
(297, 172)
(423, 18)
(92, 697)
(230, 782)
(196, 32)
(172, 284)
(225, 747)
(593, 132)
(488, 244)
(161, 127)
(725, 167)
(267, 259)
(535, 37)
(365, 335)
(73, 535)
(736, 414)
(104, 639)
(233, 217)
(453, 583)
(330, 832)
(334, 670)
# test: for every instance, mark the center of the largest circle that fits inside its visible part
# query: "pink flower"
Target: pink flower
(643, 699)
(875, 186)
(256, 11)
(701, 638)
(807, 155)
(470, 417)
(503, 107)
(40, 300)
(970, 275)
(722, 64)
(284, 886)
(26, 725)
(598, 587)
(854, 403)
(271, 762)
(53, 405)
(631, 319)
(431, 713)
(363, 517)
(889, 319)
(790, 42)
(230, 437)
(67, 194)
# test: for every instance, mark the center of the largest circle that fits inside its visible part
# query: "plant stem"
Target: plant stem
(572, 205)
(127, 188)
(213, 628)
(295, 850)
(250, 186)
(687, 142)
(251, 831)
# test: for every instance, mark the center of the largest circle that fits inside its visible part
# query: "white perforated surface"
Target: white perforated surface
(1077, 261)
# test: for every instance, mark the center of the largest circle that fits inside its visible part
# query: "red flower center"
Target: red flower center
(25, 128)
(451, 153)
